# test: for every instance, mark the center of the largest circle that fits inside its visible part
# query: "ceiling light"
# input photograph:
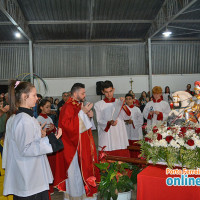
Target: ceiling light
(18, 35)
(167, 33)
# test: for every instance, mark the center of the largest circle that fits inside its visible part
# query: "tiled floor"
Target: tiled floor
(59, 195)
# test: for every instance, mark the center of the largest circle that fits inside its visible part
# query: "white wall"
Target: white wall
(121, 83)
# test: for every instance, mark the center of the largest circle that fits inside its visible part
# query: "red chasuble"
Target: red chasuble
(74, 141)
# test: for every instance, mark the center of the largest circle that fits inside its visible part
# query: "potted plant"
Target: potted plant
(117, 179)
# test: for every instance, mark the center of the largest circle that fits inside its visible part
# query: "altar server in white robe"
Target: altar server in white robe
(134, 124)
(111, 134)
(27, 171)
(157, 110)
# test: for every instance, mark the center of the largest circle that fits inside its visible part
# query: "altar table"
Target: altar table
(151, 185)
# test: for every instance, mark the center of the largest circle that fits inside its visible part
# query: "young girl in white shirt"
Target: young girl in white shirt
(27, 172)
(44, 108)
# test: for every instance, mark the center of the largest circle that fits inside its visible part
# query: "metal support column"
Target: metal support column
(31, 60)
(150, 66)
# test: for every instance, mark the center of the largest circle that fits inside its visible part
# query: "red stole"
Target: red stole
(158, 101)
(109, 101)
(160, 115)
(74, 141)
(44, 115)
(131, 106)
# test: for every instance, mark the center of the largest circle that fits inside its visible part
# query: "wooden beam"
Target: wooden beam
(128, 160)
(133, 148)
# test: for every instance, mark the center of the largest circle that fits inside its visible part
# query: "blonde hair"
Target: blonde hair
(157, 90)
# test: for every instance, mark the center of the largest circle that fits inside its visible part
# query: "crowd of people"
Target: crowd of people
(48, 143)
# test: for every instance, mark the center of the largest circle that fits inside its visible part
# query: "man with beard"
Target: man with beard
(75, 169)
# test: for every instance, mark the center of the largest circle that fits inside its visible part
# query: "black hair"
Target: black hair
(39, 96)
(76, 87)
(55, 100)
(129, 95)
(15, 90)
(166, 89)
(64, 93)
(106, 84)
(141, 97)
(41, 104)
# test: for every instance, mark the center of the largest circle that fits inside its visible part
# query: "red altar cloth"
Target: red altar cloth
(151, 185)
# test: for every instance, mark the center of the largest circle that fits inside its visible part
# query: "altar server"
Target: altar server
(27, 170)
(156, 110)
(111, 134)
(134, 124)
(44, 108)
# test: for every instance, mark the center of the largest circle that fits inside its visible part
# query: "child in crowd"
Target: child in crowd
(27, 171)
(134, 124)
(44, 108)
(167, 95)
(144, 99)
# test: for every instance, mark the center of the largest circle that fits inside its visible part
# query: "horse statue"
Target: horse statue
(182, 105)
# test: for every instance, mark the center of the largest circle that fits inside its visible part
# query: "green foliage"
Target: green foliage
(114, 179)
(135, 171)
(171, 155)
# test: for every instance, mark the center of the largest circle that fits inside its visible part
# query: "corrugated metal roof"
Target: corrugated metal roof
(55, 9)
(126, 9)
(95, 19)
(119, 30)
(184, 29)
(7, 33)
(192, 13)
(3, 18)
(55, 32)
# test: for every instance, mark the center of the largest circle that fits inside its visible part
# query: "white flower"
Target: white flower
(176, 137)
(190, 132)
(164, 134)
(169, 132)
(190, 147)
(180, 141)
(174, 144)
(156, 143)
(149, 135)
(196, 141)
(163, 143)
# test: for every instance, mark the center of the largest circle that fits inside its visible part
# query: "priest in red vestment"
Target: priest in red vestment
(75, 164)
